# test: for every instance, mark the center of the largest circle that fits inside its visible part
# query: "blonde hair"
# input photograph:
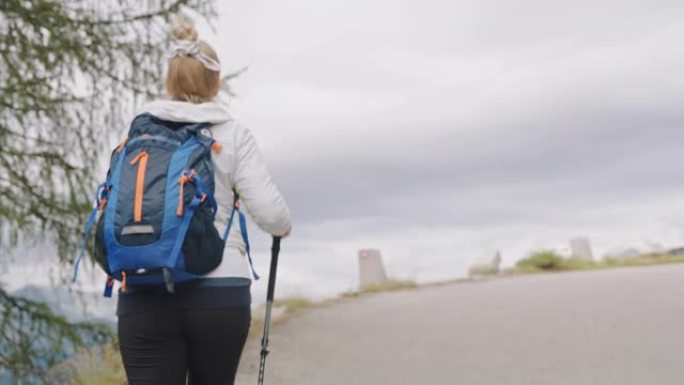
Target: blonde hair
(187, 79)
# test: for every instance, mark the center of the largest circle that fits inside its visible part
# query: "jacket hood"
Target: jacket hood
(176, 111)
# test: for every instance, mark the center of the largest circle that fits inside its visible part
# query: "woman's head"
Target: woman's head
(193, 70)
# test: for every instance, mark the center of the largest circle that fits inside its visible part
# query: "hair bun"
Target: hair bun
(183, 30)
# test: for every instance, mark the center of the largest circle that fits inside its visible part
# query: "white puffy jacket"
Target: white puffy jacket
(239, 165)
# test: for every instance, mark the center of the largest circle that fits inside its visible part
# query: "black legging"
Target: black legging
(161, 347)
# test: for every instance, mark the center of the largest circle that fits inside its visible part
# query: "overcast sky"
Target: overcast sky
(441, 130)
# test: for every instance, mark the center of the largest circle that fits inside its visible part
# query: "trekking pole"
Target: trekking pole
(275, 249)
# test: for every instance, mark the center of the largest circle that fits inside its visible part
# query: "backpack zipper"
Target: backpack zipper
(141, 159)
(154, 138)
(185, 178)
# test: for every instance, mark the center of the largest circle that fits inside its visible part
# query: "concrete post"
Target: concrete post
(371, 269)
(581, 249)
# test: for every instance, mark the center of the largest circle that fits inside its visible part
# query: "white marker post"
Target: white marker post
(581, 249)
(371, 269)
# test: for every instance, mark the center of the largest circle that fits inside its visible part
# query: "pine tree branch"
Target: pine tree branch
(69, 71)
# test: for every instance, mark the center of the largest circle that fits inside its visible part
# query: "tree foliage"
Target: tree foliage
(71, 72)
(33, 339)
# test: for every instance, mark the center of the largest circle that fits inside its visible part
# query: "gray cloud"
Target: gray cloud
(471, 122)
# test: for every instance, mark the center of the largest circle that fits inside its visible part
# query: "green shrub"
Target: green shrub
(542, 260)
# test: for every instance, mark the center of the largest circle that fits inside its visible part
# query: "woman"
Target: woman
(200, 330)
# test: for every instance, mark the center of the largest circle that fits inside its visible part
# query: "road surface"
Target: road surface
(620, 326)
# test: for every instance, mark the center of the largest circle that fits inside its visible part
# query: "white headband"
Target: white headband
(181, 48)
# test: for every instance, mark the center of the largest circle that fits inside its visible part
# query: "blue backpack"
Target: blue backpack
(157, 208)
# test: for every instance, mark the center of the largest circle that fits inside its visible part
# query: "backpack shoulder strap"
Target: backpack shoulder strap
(243, 230)
(97, 206)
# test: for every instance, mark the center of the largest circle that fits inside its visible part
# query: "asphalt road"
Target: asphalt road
(620, 326)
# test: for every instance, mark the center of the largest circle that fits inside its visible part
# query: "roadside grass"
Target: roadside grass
(390, 285)
(100, 365)
(104, 368)
(550, 261)
(646, 260)
(282, 308)
(293, 304)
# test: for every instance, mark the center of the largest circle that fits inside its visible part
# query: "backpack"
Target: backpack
(155, 212)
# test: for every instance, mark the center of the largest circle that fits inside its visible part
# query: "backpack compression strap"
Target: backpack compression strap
(202, 194)
(243, 231)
